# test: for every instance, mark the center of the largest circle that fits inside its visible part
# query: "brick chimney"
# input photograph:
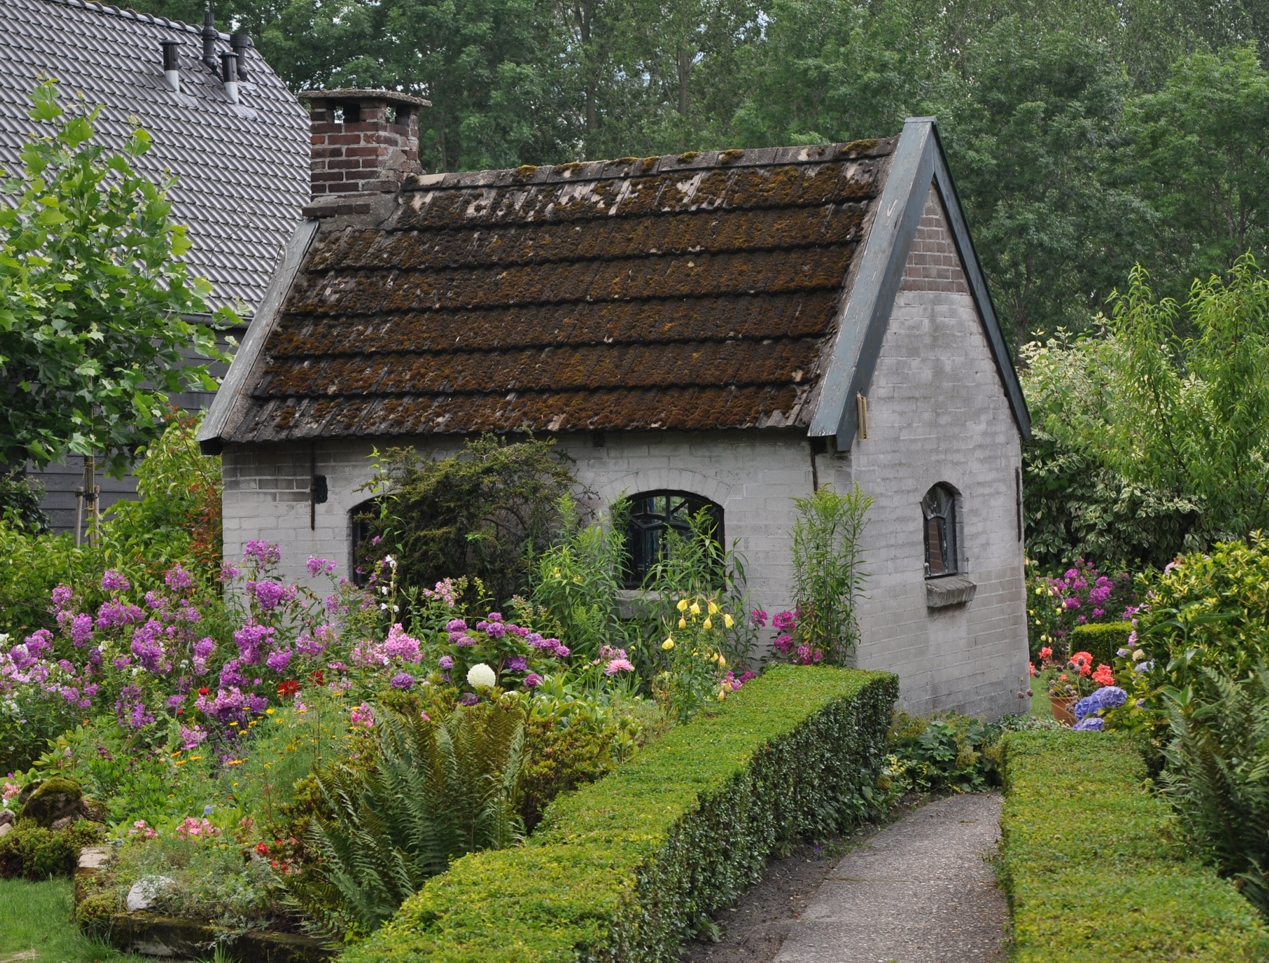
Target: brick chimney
(364, 141)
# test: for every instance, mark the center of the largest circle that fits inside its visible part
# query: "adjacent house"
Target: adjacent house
(220, 119)
(726, 330)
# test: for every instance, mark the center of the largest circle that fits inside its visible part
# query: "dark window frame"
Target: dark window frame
(651, 514)
(938, 511)
(358, 532)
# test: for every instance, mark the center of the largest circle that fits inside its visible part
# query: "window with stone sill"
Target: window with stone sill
(939, 510)
(654, 514)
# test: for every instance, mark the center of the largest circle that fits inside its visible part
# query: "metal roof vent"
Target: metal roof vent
(229, 74)
(241, 42)
(210, 36)
(172, 63)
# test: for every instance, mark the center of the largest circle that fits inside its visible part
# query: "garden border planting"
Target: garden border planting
(627, 868)
(1095, 866)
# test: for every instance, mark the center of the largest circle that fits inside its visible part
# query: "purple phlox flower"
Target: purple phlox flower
(368, 652)
(618, 665)
(114, 613)
(1130, 611)
(1080, 620)
(332, 604)
(66, 666)
(446, 662)
(1072, 603)
(759, 618)
(783, 643)
(188, 613)
(309, 645)
(130, 709)
(252, 640)
(112, 581)
(257, 703)
(402, 680)
(532, 680)
(70, 694)
(192, 736)
(39, 642)
(147, 648)
(784, 621)
(320, 566)
(279, 660)
(204, 648)
(516, 663)
(231, 674)
(1090, 724)
(81, 630)
(456, 625)
(1098, 613)
(376, 540)
(174, 701)
(270, 594)
(121, 662)
(398, 645)
(264, 552)
(62, 596)
(178, 579)
(229, 571)
(470, 698)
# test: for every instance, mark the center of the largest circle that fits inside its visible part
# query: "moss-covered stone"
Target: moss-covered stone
(52, 800)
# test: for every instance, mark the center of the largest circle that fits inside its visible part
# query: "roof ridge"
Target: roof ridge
(127, 13)
(575, 172)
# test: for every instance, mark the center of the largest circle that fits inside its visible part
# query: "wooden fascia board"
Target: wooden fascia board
(242, 372)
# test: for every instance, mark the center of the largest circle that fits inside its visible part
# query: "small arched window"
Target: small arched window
(360, 519)
(939, 509)
(652, 516)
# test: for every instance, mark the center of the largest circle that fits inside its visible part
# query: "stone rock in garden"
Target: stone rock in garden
(147, 890)
(94, 810)
(65, 822)
(5, 829)
(52, 800)
(7, 816)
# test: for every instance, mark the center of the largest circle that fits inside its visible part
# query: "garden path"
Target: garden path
(919, 891)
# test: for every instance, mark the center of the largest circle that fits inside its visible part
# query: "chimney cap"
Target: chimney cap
(240, 40)
(347, 94)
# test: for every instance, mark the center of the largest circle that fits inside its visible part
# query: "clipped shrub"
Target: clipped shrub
(1095, 867)
(627, 868)
(30, 851)
(1101, 640)
(948, 751)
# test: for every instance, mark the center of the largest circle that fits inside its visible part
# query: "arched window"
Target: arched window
(652, 515)
(939, 509)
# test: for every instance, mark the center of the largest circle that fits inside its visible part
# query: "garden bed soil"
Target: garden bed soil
(754, 929)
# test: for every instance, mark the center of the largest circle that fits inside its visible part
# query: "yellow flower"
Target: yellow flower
(722, 662)
(268, 712)
(682, 605)
(694, 608)
(708, 623)
(728, 621)
(712, 607)
(682, 622)
(1039, 590)
(668, 644)
(722, 694)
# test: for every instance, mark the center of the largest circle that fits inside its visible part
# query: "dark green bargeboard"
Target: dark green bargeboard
(623, 869)
(1096, 868)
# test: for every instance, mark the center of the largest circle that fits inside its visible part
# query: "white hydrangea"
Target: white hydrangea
(481, 675)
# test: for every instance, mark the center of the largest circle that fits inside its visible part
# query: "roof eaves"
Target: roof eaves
(212, 435)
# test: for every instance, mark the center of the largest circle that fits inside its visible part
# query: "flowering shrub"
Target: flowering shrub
(1078, 596)
(693, 669)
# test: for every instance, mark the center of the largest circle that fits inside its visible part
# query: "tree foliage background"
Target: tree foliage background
(1086, 135)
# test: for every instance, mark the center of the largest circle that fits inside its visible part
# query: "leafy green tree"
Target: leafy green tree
(93, 297)
(1201, 159)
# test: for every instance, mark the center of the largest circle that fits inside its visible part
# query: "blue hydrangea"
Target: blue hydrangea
(1107, 697)
(1091, 724)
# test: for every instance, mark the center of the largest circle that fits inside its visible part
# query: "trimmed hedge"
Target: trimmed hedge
(625, 869)
(1101, 640)
(1096, 868)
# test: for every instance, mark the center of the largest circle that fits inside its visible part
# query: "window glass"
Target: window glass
(652, 514)
(939, 508)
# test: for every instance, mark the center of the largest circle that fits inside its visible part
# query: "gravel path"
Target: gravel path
(919, 891)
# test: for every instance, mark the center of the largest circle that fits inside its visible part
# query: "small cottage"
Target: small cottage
(726, 330)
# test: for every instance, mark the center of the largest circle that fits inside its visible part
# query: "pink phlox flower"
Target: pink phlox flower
(11, 789)
(178, 579)
(139, 828)
(81, 630)
(363, 716)
(400, 646)
(192, 736)
(784, 621)
(114, 614)
(112, 581)
(62, 596)
(266, 553)
(758, 617)
(320, 566)
(271, 594)
(229, 571)
(252, 640)
(279, 660)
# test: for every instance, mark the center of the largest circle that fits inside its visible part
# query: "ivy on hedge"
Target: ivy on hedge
(625, 869)
(1096, 868)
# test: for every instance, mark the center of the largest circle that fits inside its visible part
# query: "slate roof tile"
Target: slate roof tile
(243, 169)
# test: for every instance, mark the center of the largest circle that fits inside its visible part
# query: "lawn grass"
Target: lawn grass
(1040, 706)
(36, 927)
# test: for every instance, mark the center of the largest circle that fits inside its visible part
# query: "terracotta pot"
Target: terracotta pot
(1063, 709)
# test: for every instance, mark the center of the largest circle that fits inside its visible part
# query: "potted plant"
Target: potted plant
(1070, 680)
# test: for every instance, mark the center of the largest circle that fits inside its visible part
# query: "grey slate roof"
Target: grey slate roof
(243, 168)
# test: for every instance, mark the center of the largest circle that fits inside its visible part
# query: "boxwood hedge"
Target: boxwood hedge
(1101, 640)
(1095, 865)
(626, 868)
